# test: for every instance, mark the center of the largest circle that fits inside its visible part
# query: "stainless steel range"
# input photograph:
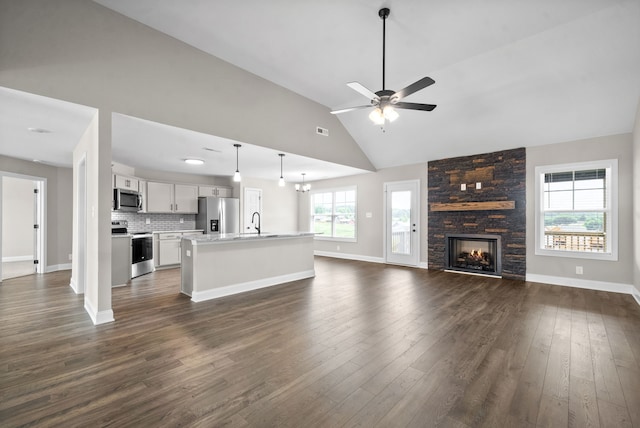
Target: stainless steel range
(141, 248)
(141, 253)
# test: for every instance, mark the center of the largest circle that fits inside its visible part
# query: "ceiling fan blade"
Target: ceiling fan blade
(415, 106)
(414, 87)
(364, 91)
(344, 110)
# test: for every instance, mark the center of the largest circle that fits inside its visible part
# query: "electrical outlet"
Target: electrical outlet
(478, 185)
(188, 253)
(148, 221)
(579, 270)
(338, 248)
(369, 215)
(181, 220)
(70, 257)
(463, 187)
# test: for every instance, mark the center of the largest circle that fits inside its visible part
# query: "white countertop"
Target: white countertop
(179, 231)
(242, 237)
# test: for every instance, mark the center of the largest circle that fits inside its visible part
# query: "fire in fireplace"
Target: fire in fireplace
(474, 253)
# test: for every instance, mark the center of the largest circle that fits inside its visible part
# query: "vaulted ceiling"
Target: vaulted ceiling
(509, 73)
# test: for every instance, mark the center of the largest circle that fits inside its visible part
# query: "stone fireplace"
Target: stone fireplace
(473, 253)
(481, 195)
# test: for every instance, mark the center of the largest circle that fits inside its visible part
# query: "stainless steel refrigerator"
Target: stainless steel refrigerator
(218, 215)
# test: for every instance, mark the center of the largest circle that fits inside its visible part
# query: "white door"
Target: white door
(252, 204)
(402, 222)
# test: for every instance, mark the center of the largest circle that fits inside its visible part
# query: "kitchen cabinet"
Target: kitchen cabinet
(124, 182)
(120, 260)
(185, 198)
(217, 191)
(169, 248)
(171, 198)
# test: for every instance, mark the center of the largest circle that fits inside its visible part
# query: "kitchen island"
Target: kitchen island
(220, 265)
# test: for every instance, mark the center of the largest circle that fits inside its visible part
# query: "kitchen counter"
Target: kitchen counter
(239, 237)
(215, 266)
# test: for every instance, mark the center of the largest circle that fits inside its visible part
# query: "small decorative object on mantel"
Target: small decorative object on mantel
(474, 206)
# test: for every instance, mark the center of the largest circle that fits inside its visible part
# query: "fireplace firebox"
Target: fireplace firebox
(480, 254)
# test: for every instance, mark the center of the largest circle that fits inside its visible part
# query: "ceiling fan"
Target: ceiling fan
(386, 101)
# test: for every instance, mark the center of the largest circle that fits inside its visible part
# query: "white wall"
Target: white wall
(370, 194)
(96, 157)
(610, 147)
(17, 218)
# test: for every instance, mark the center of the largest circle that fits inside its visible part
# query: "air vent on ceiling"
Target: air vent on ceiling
(322, 131)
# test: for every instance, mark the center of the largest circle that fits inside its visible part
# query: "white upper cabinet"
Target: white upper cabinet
(217, 191)
(185, 198)
(124, 182)
(159, 197)
(172, 198)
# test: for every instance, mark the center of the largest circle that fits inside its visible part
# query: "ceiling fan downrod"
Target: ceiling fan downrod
(384, 14)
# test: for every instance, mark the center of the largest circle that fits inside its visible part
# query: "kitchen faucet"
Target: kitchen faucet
(258, 226)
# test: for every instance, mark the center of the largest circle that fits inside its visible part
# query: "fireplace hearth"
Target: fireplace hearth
(479, 254)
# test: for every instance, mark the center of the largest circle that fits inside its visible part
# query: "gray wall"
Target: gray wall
(370, 194)
(17, 218)
(279, 205)
(636, 201)
(81, 52)
(59, 206)
(611, 147)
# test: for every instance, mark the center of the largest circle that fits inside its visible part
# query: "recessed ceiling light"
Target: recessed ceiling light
(194, 161)
(39, 130)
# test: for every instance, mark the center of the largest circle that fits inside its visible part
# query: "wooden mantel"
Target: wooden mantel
(474, 206)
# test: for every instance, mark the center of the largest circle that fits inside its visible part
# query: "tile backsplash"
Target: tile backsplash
(159, 222)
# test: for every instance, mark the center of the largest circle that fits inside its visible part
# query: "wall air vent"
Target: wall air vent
(322, 131)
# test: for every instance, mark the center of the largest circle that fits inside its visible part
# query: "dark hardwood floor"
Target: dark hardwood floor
(360, 344)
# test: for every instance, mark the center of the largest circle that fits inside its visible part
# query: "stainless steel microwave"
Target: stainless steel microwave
(127, 200)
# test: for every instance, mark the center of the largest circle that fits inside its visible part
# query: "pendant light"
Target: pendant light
(236, 176)
(281, 181)
(305, 187)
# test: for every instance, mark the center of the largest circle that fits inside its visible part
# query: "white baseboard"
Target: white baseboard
(612, 287)
(100, 317)
(17, 259)
(349, 256)
(55, 268)
(74, 285)
(200, 296)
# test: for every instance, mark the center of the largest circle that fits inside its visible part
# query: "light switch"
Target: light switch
(148, 221)
(463, 187)
(478, 185)
(369, 215)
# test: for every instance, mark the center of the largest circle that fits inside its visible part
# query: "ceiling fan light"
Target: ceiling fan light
(376, 116)
(390, 113)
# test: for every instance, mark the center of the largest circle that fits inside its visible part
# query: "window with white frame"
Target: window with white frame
(576, 208)
(334, 214)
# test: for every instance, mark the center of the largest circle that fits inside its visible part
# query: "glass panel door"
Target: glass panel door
(402, 223)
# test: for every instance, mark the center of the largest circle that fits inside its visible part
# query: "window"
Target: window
(577, 210)
(333, 214)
